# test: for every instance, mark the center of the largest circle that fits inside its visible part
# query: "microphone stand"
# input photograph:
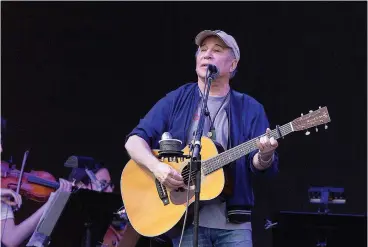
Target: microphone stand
(196, 159)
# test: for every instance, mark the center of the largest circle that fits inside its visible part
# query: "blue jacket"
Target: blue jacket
(174, 112)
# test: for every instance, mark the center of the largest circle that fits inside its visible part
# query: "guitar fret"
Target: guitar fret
(235, 153)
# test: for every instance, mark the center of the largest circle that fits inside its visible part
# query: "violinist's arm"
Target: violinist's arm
(14, 235)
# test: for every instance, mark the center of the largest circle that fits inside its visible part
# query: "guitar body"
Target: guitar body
(147, 212)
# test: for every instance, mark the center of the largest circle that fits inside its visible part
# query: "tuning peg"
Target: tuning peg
(316, 129)
(307, 133)
(310, 111)
(319, 107)
(326, 127)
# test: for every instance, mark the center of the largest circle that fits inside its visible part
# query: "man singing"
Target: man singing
(233, 118)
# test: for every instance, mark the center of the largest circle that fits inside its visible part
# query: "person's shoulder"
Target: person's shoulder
(248, 99)
(185, 88)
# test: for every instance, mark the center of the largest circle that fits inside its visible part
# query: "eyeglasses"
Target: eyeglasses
(105, 184)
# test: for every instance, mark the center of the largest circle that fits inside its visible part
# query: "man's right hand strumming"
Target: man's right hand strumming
(168, 176)
(139, 151)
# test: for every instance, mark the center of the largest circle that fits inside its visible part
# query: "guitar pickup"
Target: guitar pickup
(162, 192)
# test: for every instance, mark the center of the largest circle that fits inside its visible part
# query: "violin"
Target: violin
(111, 238)
(126, 237)
(35, 185)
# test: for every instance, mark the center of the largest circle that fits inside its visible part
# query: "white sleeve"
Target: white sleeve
(6, 211)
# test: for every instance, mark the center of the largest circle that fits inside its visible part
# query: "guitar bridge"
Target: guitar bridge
(162, 192)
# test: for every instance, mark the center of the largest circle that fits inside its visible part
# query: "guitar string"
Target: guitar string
(207, 169)
(240, 150)
(237, 150)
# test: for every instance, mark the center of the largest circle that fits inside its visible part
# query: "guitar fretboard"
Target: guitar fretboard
(237, 152)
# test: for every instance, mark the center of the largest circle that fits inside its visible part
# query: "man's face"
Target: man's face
(214, 51)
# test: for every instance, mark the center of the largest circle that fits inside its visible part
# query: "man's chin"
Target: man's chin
(201, 73)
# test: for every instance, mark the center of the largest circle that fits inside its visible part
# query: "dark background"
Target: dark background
(77, 77)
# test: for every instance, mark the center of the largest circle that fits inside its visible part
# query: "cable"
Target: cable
(186, 209)
(190, 168)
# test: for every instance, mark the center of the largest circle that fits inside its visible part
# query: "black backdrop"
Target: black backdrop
(77, 77)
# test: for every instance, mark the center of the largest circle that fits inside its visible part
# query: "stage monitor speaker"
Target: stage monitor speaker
(305, 229)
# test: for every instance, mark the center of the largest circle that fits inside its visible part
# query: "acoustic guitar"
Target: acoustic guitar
(154, 210)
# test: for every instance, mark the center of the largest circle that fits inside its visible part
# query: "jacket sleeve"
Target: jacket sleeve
(151, 127)
(259, 125)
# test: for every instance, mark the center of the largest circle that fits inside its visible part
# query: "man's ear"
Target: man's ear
(234, 64)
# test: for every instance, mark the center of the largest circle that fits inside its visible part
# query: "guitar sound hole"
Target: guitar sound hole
(180, 189)
(185, 175)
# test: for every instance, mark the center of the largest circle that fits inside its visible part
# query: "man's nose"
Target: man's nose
(208, 55)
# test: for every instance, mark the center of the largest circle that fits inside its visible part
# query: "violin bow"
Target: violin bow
(22, 170)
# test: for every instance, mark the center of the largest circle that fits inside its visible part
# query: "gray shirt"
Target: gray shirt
(213, 214)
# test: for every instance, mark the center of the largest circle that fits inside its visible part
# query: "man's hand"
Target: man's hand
(263, 159)
(168, 176)
(7, 195)
(267, 145)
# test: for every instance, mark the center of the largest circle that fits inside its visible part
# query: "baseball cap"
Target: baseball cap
(226, 38)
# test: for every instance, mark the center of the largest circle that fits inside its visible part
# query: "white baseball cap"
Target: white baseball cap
(226, 38)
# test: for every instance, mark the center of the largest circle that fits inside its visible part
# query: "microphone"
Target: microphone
(166, 136)
(214, 71)
(169, 147)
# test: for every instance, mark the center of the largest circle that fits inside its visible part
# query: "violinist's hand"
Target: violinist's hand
(65, 185)
(8, 194)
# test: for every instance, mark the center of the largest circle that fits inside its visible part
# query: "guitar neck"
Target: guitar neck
(245, 148)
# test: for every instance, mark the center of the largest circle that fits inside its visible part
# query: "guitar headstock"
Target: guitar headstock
(312, 119)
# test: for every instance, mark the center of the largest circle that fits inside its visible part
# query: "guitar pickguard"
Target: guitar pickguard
(179, 197)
